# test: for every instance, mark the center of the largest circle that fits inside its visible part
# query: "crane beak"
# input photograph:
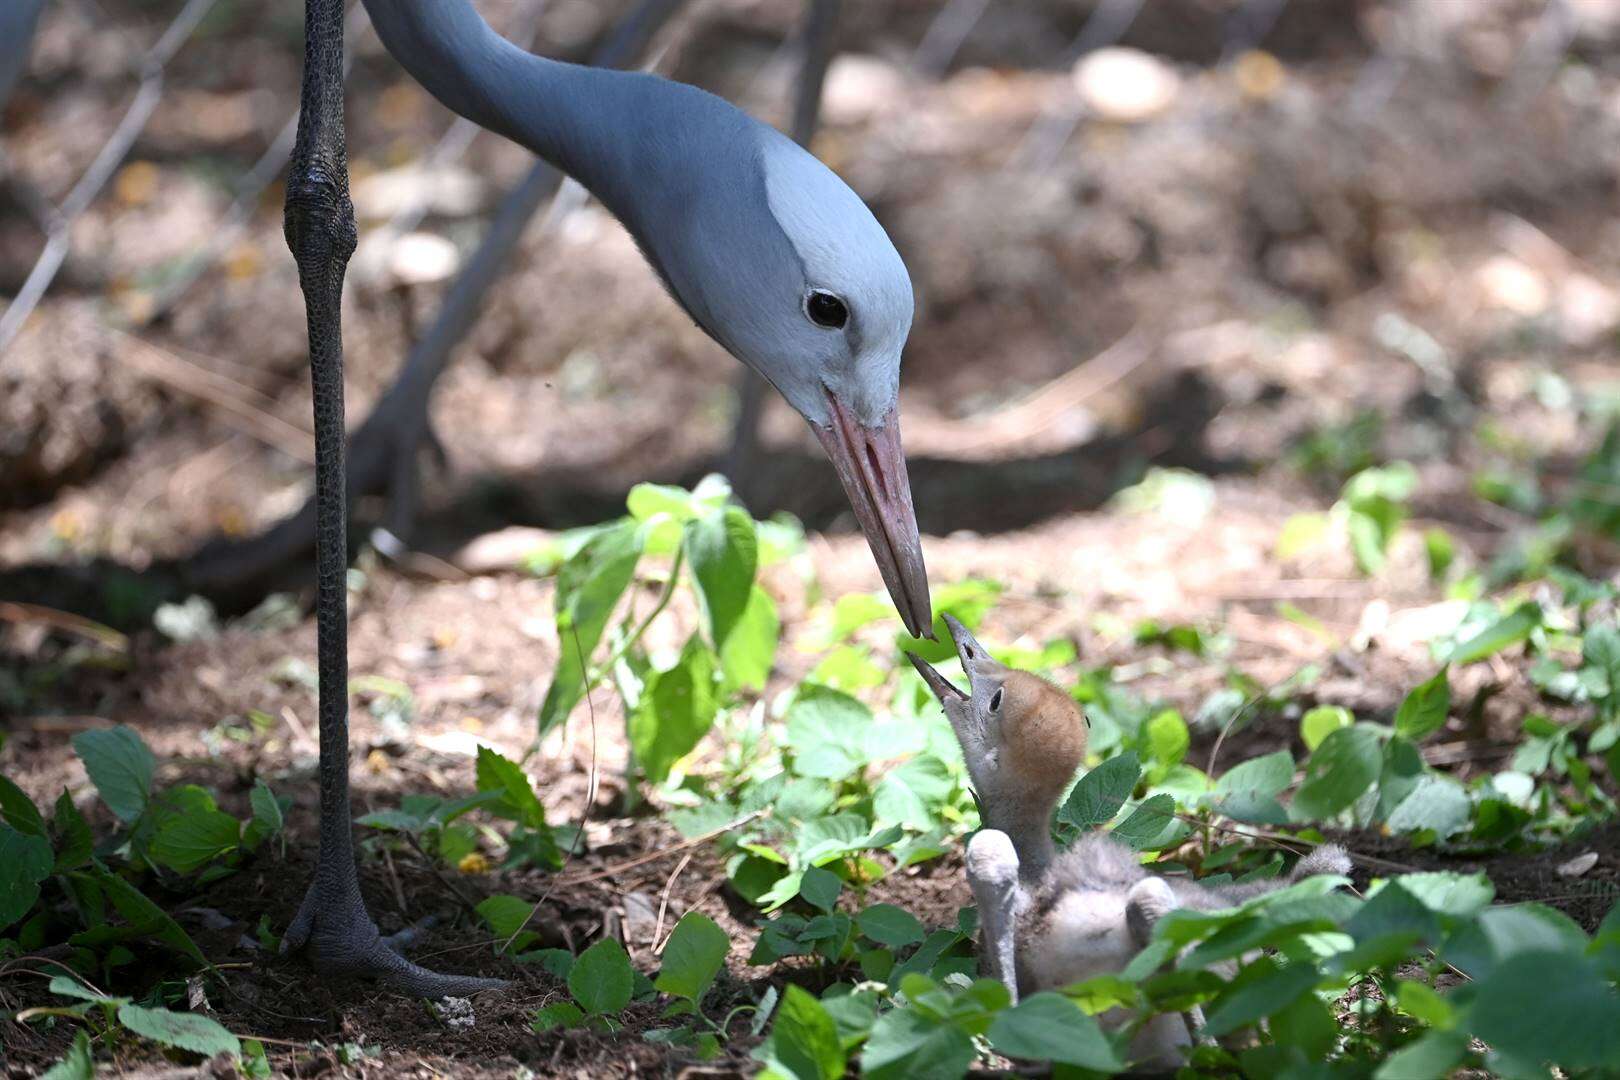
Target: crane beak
(872, 467)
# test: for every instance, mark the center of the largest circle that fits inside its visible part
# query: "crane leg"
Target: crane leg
(992, 872)
(332, 922)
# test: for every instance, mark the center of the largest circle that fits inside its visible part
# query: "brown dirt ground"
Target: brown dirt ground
(1275, 246)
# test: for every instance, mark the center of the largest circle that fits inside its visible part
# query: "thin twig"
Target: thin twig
(654, 856)
(111, 156)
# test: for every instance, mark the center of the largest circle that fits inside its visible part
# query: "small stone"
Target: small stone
(860, 88)
(1125, 85)
(1579, 865)
(1509, 285)
(456, 1012)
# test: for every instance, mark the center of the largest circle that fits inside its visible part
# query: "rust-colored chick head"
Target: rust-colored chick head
(1023, 738)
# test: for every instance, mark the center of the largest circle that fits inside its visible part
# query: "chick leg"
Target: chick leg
(992, 870)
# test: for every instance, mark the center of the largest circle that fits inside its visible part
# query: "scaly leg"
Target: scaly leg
(992, 870)
(319, 222)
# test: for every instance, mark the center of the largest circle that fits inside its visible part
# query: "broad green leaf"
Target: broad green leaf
(1572, 1018)
(602, 979)
(1321, 722)
(890, 925)
(68, 986)
(914, 793)
(558, 1014)
(267, 817)
(750, 648)
(517, 798)
(589, 586)
(1049, 1027)
(1436, 1053)
(1300, 533)
(905, 1045)
(1422, 1001)
(74, 842)
(145, 918)
(1458, 895)
(820, 888)
(647, 501)
(25, 861)
(694, 955)
(1403, 770)
(19, 810)
(1147, 823)
(189, 841)
(1437, 803)
(676, 710)
(1341, 768)
(505, 914)
(804, 1042)
(184, 1031)
(76, 1064)
(120, 765)
(1424, 709)
(1509, 630)
(1501, 933)
(724, 553)
(827, 733)
(1260, 989)
(1248, 791)
(1101, 792)
(1167, 738)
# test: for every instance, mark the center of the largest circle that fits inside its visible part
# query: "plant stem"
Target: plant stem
(601, 671)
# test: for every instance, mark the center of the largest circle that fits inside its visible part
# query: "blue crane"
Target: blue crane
(765, 248)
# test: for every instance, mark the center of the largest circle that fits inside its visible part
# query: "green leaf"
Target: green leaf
(1167, 738)
(890, 925)
(1437, 803)
(1572, 1018)
(1437, 1053)
(588, 589)
(914, 793)
(559, 1014)
(602, 979)
(820, 888)
(1424, 709)
(1147, 822)
(1049, 1027)
(693, 957)
(1101, 792)
(68, 986)
(1248, 791)
(750, 648)
(267, 817)
(905, 1044)
(1501, 933)
(804, 1042)
(1321, 722)
(1504, 633)
(677, 708)
(504, 913)
(192, 840)
(120, 765)
(145, 918)
(517, 798)
(1261, 989)
(724, 552)
(1342, 767)
(76, 1064)
(827, 733)
(75, 843)
(19, 810)
(184, 1031)
(25, 861)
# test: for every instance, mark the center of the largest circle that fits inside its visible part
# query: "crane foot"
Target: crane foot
(343, 942)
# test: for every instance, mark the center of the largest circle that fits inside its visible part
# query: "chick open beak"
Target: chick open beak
(968, 651)
(872, 467)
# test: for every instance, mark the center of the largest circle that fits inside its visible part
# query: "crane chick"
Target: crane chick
(1052, 919)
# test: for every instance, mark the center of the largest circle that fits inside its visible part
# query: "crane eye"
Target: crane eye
(995, 700)
(826, 310)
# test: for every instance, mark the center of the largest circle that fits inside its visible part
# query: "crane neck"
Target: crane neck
(562, 112)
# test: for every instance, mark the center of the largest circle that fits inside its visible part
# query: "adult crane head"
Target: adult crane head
(764, 246)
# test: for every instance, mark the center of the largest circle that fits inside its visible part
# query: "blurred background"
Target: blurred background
(1241, 248)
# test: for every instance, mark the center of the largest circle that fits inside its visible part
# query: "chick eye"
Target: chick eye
(826, 310)
(995, 700)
